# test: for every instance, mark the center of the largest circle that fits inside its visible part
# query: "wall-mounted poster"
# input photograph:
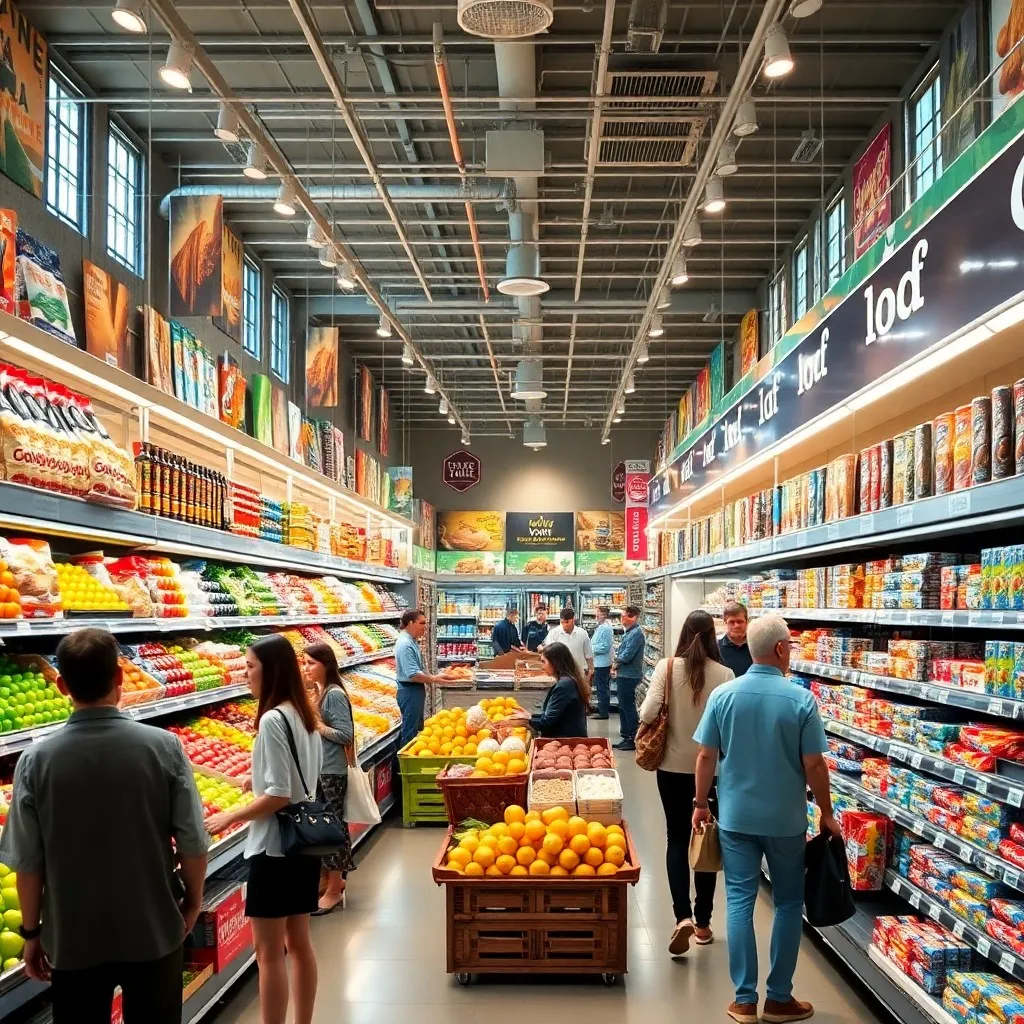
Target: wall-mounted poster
(1006, 24)
(958, 72)
(23, 99)
(749, 326)
(383, 421)
(539, 543)
(702, 398)
(638, 477)
(197, 239)
(262, 416)
(158, 350)
(230, 318)
(106, 317)
(294, 432)
(471, 531)
(600, 543)
(279, 419)
(464, 563)
(232, 392)
(322, 367)
(364, 404)
(872, 201)
(716, 371)
(401, 498)
(684, 418)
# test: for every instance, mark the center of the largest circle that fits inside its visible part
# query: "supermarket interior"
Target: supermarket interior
(530, 315)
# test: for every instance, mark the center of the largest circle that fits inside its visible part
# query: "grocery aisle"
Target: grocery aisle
(382, 960)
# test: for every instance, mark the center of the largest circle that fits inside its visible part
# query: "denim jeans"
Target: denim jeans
(411, 699)
(602, 680)
(628, 718)
(741, 858)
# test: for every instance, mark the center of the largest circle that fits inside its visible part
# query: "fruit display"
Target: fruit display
(82, 592)
(459, 733)
(216, 746)
(205, 596)
(28, 694)
(229, 658)
(137, 685)
(30, 580)
(11, 942)
(556, 754)
(552, 843)
(150, 586)
(220, 795)
(168, 669)
(205, 673)
(239, 713)
(250, 590)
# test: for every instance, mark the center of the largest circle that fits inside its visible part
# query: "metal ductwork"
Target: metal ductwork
(647, 20)
(522, 265)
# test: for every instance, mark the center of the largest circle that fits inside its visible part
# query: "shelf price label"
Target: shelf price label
(995, 707)
(974, 618)
(1011, 877)
(960, 504)
(984, 946)
(947, 618)
(959, 928)
(958, 776)
(832, 531)
(905, 515)
(1008, 962)
(915, 900)
(1014, 797)
(915, 760)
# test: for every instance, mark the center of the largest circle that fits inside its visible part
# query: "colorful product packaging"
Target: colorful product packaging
(1002, 433)
(981, 440)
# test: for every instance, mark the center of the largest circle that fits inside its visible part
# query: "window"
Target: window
(800, 258)
(777, 309)
(252, 319)
(124, 201)
(835, 241)
(279, 340)
(66, 152)
(925, 135)
(814, 289)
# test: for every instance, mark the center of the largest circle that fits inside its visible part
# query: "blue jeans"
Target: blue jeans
(741, 858)
(411, 699)
(628, 718)
(602, 681)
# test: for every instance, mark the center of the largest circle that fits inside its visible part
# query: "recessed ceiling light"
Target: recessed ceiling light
(714, 196)
(384, 326)
(174, 71)
(287, 202)
(256, 164)
(128, 14)
(746, 119)
(778, 61)
(227, 124)
(679, 274)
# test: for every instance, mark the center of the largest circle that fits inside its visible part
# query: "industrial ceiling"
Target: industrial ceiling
(603, 216)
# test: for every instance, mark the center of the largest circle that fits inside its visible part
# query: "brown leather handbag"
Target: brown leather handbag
(652, 736)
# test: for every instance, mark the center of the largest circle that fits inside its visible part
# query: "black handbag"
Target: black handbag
(828, 895)
(309, 828)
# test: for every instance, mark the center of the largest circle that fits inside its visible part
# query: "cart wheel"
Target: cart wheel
(463, 978)
(610, 979)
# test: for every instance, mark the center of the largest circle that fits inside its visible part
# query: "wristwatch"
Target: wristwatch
(30, 933)
(700, 805)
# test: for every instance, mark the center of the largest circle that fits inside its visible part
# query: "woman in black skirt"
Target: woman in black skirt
(337, 734)
(282, 891)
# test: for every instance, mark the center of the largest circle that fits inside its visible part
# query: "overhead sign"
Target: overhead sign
(539, 531)
(872, 199)
(963, 263)
(461, 470)
(619, 483)
(638, 476)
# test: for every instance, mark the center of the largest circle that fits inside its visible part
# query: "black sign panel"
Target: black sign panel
(540, 531)
(963, 263)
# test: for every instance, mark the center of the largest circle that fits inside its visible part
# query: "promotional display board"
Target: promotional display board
(956, 269)
(539, 543)
(22, 100)
(461, 470)
(197, 240)
(471, 531)
(638, 476)
(872, 204)
(106, 317)
(322, 367)
(230, 318)
(600, 543)
(401, 490)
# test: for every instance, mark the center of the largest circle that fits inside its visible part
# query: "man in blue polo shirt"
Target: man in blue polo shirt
(412, 680)
(766, 736)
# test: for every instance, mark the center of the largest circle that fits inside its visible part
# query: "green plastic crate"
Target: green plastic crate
(422, 799)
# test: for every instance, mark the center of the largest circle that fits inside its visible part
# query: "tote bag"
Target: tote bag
(706, 848)
(827, 892)
(652, 736)
(360, 806)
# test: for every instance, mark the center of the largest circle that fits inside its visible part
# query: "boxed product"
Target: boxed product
(866, 835)
(222, 930)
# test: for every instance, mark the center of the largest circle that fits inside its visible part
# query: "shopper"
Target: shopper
(602, 643)
(735, 652)
(337, 737)
(536, 632)
(697, 670)
(282, 891)
(564, 711)
(93, 813)
(577, 639)
(412, 695)
(505, 635)
(628, 668)
(766, 735)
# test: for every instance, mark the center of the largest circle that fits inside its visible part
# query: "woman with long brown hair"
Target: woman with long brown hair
(282, 891)
(564, 711)
(337, 736)
(685, 680)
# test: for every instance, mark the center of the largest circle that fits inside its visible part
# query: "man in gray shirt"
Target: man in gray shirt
(95, 809)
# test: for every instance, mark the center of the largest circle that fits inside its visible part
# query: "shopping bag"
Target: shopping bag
(827, 892)
(360, 806)
(705, 848)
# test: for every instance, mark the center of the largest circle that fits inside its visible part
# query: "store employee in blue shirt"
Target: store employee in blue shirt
(505, 635)
(412, 679)
(602, 643)
(629, 667)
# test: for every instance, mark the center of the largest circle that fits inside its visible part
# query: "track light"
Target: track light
(346, 282)
(804, 8)
(606, 440)
(657, 328)
(630, 388)
(407, 358)
(451, 418)
(534, 434)
(175, 69)
(443, 407)
(692, 234)
(664, 298)
(778, 61)
(643, 355)
(128, 14)
(429, 386)
(287, 202)
(620, 409)
(227, 124)
(256, 164)
(714, 196)
(679, 274)
(465, 437)
(384, 327)
(327, 256)
(727, 160)
(314, 238)
(746, 119)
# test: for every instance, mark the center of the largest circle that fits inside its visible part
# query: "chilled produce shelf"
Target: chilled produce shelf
(379, 746)
(894, 617)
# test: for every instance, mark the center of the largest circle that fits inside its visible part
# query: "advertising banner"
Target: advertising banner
(1006, 24)
(471, 531)
(364, 405)
(957, 268)
(958, 70)
(158, 351)
(23, 99)
(684, 417)
(540, 563)
(279, 419)
(322, 367)
(482, 563)
(872, 203)
(600, 543)
(716, 370)
(383, 421)
(197, 240)
(638, 476)
(539, 531)
(262, 408)
(106, 317)
(749, 327)
(230, 318)
(702, 396)
(619, 483)
(401, 490)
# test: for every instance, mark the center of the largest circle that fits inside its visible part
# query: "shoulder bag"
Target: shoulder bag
(652, 736)
(309, 828)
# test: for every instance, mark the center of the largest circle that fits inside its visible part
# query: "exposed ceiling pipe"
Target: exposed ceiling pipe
(594, 149)
(307, 22)
(441, 64)
(723, 129)
(568, 369)
(494, 369)
(168, 14)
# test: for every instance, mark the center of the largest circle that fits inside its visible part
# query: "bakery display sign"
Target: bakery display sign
(600, 543)
(461, 470)
(471, 543)
(619, 483)
(539, 544)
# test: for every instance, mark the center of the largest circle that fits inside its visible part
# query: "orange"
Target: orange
(505, 864)
(551, 859)
(579, 844)
(515, 766)
(597, 834)
(583, 869)
(499, 829)
(607, 869)
(616, 840)
(559, 827)
(501, 757)
(446, 748)
(477, 774)
(456, 867)
(539, 867)
(473, 870)
(615, 855)
(615, 828)
(484, 856)
(532, 816)
(489, 840)
(567, 859)
(470, 843)
(470, 748)
(496, 769)
(559, 871)
(554, 814)
(514, 813)
(517, 830)
(460, 856)
(492, 871)
(594, 857)
(508, 846)
(535, 831)
(526, 855)
(577, 826)
(483, 763)
(553, 844)
(519, 871)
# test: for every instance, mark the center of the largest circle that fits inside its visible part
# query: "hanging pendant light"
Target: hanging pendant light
(727, 160)
(314, 237)
(442, 407)
(256, 164)
(714, 196)
(465, 437)
(128, 14)
(287, 202)
(429, 386)
(606, 440)
(384, 326)
(679, 274)
(692, 234)
(174, 71)
(346, 282)
(630, 388)
(746, 119)
(534, 434)
(329, 259)
(407, 357)
(778, 61)
(529, 380)
(227, 124)
(804, 8)
(664, 298)
(657, 328)
(451, 418)
(643, 354)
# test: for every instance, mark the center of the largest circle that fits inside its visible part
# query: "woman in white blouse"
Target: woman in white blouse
(696, 671)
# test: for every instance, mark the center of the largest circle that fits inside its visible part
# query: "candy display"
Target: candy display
(922, 950)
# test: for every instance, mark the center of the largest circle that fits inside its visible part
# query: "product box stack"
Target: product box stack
(222, 931)
(245, 510)
(1002, 578)
(1004, 668)
(968, 893)
(298, 525)
(271, 519)
(813, 585)
(925, 952)
(845, 586)
(960, 586)
(982, 998)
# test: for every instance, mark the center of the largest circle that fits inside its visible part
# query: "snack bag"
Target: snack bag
(35, 577)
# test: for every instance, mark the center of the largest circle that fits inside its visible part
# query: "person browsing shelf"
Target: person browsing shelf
(603, 643)
(564, 711)
(409, 672)
(735, 652)
(505, 635)
(536, 631)
(576, 638)
(628, 667)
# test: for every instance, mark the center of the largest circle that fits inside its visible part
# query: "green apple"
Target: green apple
(10, 898)
(11, 944)
(4, 870)
(10, 964)
(12, 918)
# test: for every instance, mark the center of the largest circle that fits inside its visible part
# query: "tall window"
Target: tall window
(835, 241)
(279, 339)
(777, 308)
(124, 201)
(252, 319)
(66, 152)
(925, 134)
(814, 289)
(800, 262)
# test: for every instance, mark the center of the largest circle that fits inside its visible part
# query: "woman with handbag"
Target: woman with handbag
(337, 735)
(282, 890)
(680, 687)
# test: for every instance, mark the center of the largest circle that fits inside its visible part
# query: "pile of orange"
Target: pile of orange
(552, 843)
(500, 762)
(446, 734)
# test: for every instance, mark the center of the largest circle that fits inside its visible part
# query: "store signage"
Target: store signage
(872, 196)
(539, 531)
(461, 470)
(963, 263)
(619, 483)
(638, 476)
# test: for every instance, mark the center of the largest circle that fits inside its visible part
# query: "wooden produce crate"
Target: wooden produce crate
(571, 741)
(533, 804)
(539, 924)
(422, 799)
(483, 799)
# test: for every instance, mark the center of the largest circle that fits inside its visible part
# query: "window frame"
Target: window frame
(280, 334)
(134, 220)
(252, 302)
(922, 172)
(834, 271)
(777, 308)
(55, 168)
(801, 291)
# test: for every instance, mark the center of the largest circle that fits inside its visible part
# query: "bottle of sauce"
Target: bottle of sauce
(144, 477)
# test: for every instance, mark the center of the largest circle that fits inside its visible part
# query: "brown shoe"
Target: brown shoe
(744, 1013)
(782, 1013)
(680, 941)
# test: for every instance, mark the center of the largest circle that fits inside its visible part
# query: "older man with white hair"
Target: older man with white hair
(765, 734)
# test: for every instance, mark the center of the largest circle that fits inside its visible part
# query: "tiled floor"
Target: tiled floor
(382, 960)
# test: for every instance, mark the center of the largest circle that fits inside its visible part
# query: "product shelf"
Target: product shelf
(925, 1007)
(894, 617)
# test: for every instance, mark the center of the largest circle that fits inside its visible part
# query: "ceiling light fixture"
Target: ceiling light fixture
(692, 234)
(529, 380)
(128, 14)
(256, 163)
(630, 388)
(606, 440)
(714, 196)
(174, 71)
(346, 281)
(227, 124)
(643, 354)
(620, 409)
(664, 298)
(778, 61)
(727, 160)
(465, 437)
(384, 327)
(314, 238)
(328, 258)
(451, 418)
(429, 386)
(746, 119)
(657, 328)
(679, 274)
(287, 202)
(442, 407)
(534, 434)
(407, 357)
(522, 263)
(804, 8)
